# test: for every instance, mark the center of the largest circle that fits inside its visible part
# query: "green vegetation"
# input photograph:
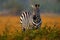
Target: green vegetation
(44, 33)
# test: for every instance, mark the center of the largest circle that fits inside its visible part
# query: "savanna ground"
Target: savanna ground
(10, 28)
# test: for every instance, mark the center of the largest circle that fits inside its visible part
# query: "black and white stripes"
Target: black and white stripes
(31, 20)
(25, 20)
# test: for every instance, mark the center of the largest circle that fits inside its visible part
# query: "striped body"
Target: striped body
(26, 20)
(31, 20)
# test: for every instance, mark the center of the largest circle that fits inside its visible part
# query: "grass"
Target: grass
(45, 33)
(10, 29)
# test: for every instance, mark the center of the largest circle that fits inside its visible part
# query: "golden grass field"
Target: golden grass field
(13, 24)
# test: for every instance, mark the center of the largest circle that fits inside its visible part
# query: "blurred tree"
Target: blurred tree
(58, 0)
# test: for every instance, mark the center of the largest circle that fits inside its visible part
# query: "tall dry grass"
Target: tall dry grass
(45, 33)
(10, 29)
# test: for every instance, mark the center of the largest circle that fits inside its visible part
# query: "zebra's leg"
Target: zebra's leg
(37, 27)
(23, 29)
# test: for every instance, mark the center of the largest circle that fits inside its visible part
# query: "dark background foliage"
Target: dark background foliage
(45, 5)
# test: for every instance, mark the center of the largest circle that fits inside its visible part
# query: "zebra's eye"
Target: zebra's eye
(37, 5)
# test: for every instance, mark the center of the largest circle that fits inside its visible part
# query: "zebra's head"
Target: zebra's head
(36, 9)
(36, 14)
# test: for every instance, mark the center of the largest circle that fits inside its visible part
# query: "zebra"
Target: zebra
(31, 20)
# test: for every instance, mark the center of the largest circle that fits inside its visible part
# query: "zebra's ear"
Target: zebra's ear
(32, 6)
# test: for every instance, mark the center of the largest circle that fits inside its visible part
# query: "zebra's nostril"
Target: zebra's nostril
(34, 17)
